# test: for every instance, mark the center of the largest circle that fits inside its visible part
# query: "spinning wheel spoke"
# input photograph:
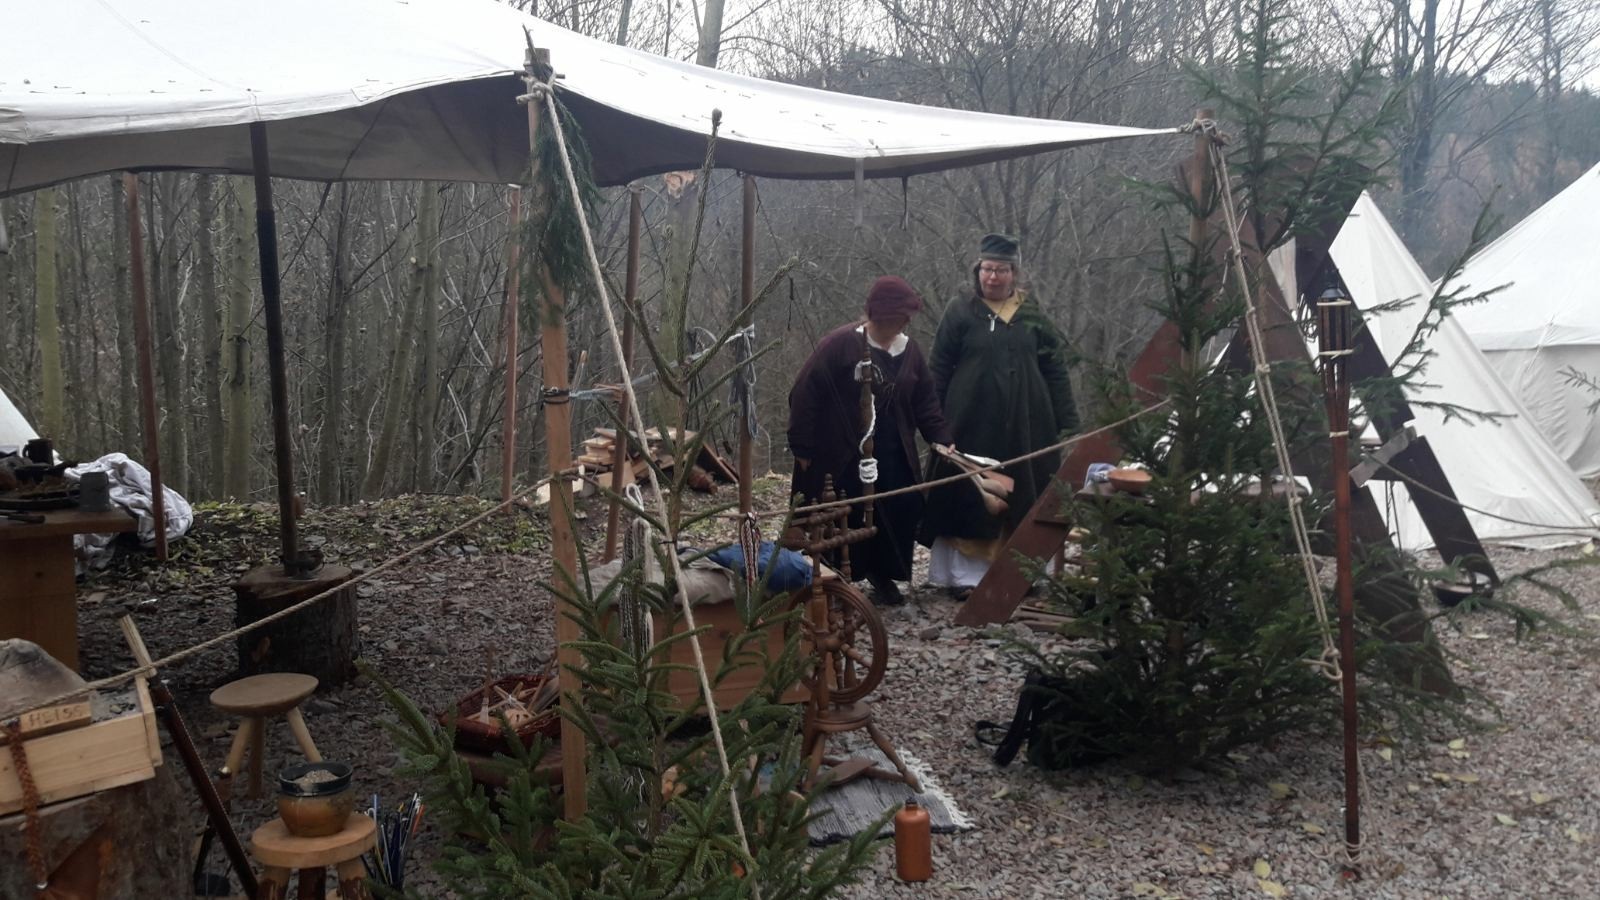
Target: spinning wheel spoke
(859, 643)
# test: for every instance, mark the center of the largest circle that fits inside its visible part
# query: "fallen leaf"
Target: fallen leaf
(1097, 842)
(1459, 754)
(1458, 744)
(1413, 788)
(1466, 778)
(1504, 819)
(1272, 888)
(1004, 790)
(1540, 799)
(1135, 783)
(1262, 868)
(1280, 791)
(1146, 889)
(1576, 836)
(1312, 828)
(1439, 776)
(1386, 753)
(1206, 849)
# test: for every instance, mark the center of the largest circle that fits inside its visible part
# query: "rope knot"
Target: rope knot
(555, 396)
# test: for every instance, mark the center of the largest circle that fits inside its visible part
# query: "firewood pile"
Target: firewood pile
(706, 470)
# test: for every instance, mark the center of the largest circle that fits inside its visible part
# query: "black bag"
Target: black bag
(1045, 699)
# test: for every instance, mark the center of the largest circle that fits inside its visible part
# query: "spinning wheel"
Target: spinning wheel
(852, 644)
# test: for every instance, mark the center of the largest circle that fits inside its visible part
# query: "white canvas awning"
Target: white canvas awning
(1507, 469)
(400, 89)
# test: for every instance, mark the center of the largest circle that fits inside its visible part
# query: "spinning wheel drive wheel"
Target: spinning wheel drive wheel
(853, 642)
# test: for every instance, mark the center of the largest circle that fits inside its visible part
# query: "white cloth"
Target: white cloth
(949, 567)
(131, 490)
(426, 89)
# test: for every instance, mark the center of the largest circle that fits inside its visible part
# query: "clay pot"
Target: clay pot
(315, 799)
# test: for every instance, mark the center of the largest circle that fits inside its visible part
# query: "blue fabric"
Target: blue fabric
(792, 570)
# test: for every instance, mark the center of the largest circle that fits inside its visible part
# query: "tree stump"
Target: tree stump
(319, 640)
(130, 841)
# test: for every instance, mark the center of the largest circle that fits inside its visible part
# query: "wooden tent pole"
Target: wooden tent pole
(146, 363)
(558, 448)
(747, 295)
(619, 450)
(272, 306)
(513, 305)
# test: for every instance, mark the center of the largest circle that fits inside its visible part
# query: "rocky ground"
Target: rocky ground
(1511, 809)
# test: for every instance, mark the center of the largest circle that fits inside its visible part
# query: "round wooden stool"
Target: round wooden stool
(254, 700)
(281, 853)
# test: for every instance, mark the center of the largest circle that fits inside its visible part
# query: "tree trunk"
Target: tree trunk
(122, 298)
(398, 392)
(240, 225)
(329, 483)
(427, 273)
(210, 309)
(52, 418)
(169, 345)
(1416, 151)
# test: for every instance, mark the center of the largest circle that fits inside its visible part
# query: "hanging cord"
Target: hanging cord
(33, 830)
(1329, 661)
(867, 466)
(638, 422)
(750, 548)
(742, 392)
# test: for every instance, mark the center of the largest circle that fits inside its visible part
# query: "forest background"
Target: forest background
(393, 291)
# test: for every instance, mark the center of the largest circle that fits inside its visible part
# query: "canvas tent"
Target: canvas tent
(1547, 319)
(14, 429)
(404, 89)
(1505, 468)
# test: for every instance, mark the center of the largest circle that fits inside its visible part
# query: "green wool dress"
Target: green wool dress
(1005, 392)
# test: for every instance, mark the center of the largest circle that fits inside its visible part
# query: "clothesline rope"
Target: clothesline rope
(196, 649)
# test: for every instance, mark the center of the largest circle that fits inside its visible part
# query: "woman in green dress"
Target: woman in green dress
(1000, 369)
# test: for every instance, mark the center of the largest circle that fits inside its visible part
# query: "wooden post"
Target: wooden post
(1333, 331)
(513, 305)
(558, 448)
(619, 450)
(747, 295)
(146, 362)
(277, 377)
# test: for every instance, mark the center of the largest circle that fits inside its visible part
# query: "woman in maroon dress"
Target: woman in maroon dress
(826, 431)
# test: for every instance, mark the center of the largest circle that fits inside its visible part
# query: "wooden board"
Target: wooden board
(100, 755)
(40, 722)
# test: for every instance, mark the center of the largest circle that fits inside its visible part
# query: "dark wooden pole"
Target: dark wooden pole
(558, 448)
(146, 362)
(619, 452)
(1334, 329)
(271, 302)
(513, 305)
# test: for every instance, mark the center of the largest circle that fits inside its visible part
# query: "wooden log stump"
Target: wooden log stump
(129, 841)
(319, 641)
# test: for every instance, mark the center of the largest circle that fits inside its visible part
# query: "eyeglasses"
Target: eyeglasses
(994, 270)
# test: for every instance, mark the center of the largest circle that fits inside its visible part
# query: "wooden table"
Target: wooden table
(38, 583)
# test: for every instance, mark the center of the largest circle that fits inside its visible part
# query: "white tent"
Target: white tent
(426, 89)
(14, 429)
(1548, 318)
(1505, 468)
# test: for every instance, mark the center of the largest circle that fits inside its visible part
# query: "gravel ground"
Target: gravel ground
(1509, 810)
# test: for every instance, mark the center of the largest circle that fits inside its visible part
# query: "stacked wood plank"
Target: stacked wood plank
(599, 452)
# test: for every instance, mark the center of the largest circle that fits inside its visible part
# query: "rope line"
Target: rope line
(1329, 662)
(203, 646)
(1414, 483)
(638, 422)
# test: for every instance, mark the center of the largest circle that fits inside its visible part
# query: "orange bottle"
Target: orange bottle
(913, 843)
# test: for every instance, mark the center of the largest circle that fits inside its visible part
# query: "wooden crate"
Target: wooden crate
(722, 622)
(105, 754)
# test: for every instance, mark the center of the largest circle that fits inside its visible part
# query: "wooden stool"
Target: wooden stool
(254, 699)
(281, 853)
